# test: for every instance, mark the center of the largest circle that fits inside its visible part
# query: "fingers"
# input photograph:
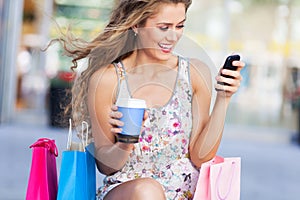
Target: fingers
(116, 123)
(116, 130)
(226, 88)
(230, 80)
(234, 76)
(239, 65)
(114, 108)
(228, 84)
(114, 120)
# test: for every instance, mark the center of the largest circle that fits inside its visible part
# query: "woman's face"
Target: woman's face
(158, 37)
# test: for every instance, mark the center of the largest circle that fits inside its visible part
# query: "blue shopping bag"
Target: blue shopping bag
(77, 180)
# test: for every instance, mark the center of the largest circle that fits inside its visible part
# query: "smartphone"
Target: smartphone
(228, 65)
(229, 60)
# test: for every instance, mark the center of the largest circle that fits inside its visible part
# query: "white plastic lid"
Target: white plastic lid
(131, 103)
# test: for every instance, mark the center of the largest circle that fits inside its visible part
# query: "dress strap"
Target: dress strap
(184, 69)
(120, 71)
(123, 91)
(184, 78)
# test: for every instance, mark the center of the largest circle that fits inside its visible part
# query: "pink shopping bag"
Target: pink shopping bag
(42, 183)
(219, 179)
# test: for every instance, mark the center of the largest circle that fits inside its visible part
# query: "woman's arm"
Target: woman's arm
(208, 128)
(111, 155)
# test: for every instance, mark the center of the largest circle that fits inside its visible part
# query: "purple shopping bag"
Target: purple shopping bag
(42, 183)
(219, 179)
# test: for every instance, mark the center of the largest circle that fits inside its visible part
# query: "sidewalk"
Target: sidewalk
(270, 162)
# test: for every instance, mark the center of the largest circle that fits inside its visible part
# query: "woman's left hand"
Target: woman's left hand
(226, 87)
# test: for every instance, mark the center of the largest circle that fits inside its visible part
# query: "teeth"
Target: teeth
(165, 46)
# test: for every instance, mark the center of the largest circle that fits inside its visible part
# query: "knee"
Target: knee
(148, 188)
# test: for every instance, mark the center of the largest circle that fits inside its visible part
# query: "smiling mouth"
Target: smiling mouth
(166, 48)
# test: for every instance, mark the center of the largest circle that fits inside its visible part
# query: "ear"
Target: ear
(135, 29)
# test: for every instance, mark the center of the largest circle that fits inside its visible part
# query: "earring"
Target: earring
(135, 34)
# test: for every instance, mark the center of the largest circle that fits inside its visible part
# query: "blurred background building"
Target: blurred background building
(27, 71)
(264, 32)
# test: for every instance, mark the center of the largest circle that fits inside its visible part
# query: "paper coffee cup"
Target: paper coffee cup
(133, 114)
(131, 103)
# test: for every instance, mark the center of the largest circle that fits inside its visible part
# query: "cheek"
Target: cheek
(151, 37)
(158, 34)
(180, 33)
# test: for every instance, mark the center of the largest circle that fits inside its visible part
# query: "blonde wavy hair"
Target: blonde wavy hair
(117, 41)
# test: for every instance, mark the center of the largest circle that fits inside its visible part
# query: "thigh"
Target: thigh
(141, 188)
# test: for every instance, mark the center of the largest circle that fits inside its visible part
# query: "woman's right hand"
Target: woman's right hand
(117, 124)
(114, 120)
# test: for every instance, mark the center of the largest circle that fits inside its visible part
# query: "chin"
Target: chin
(164, 56)
(159, 56)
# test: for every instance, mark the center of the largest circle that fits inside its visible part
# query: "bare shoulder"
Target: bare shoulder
(104, 77)
(104, 82)
(200, 75)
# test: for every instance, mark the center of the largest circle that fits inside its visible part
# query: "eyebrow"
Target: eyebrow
(167, 23)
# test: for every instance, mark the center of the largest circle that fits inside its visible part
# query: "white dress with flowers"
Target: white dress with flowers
(162, 151)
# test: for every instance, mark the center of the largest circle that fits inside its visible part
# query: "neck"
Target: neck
(140, 57)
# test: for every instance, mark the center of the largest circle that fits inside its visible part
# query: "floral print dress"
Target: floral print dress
(162, 151)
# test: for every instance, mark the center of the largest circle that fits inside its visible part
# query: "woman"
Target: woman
(134, 57)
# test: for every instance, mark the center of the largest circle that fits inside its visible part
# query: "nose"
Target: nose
(172, 35)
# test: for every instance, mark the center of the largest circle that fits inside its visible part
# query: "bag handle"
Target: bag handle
(47, 143)
(217, 160)
(230, 185)
(85, 143)
(69, 135)
(84, 140)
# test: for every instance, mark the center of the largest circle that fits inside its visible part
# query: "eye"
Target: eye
(180, 26)
(164, 28)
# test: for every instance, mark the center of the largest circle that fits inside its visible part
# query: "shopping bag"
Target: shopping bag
(42, 183)
(77, 180)
(219, 179)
